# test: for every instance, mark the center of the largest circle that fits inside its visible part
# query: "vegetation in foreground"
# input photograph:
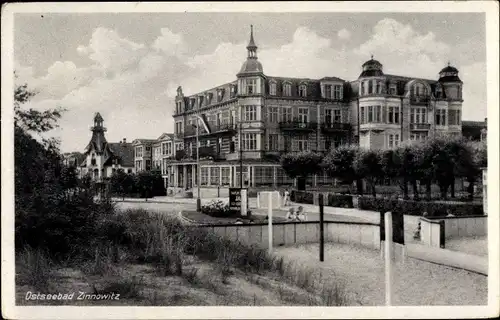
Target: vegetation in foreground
(153, 259)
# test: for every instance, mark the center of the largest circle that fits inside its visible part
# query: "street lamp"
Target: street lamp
(198, 178)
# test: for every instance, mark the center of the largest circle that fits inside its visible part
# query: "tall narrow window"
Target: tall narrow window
(272, 88)
(286, 114)
(272, 114)
(370, 87)
(378, 113)
(287, 89)
(272, 143)
(328, 116)
(251, 86)
(303, 115)
(370, 114)
(328, 91)
(303, 91)
(337, 92)
(302, 143)
(362, 115)
(362, 88)
(378, 87)
(337, 116)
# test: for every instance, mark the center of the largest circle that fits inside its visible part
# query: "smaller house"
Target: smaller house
(101, 158)
(475, 130)
(143, 154)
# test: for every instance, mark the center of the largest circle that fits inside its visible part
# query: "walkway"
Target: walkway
(450, 258)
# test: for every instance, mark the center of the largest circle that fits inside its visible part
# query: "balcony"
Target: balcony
(419, 100)
(335, 127)
(222, 128)
(298, 126)
(209, 153)
(420, 126)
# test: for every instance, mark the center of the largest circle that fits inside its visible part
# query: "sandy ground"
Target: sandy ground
(415, 283)
(472, 245)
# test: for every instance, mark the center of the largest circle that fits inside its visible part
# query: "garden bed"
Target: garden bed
(202, 218)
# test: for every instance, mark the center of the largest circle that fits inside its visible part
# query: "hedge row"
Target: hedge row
(330, 199)
(409, 207)
(417, 208)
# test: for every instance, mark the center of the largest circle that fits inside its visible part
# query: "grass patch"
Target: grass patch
(35, 269)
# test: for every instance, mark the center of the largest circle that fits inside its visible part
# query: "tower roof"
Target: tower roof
(251, 65)
(98, 117)
(251, 43)
(449, 74)
(371, 68)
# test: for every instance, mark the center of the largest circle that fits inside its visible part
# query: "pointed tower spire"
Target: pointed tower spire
(252, 48)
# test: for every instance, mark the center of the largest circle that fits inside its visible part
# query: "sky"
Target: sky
(127, 66)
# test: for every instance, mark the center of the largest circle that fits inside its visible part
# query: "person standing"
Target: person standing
(287, 197)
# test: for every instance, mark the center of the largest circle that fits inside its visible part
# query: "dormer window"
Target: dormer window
(337, 92)
(207, 99)
(192, 102)
(302, 90)
(439, 92)
(272, 88)
(393, 90)
(233, 91)
(287, 89)
(200, 101)
(220, 94)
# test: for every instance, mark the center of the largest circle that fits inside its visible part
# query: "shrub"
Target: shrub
(417, 208)
(218, 209)
(303, 197)
(341, 201)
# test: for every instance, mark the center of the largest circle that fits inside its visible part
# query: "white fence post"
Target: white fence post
(270, 221)
(243, 195)
(388, 258)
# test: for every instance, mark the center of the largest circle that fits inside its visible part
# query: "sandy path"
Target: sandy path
(415, 283)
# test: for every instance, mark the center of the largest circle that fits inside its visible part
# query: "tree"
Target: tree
(145, 184)
(424, 165)
(408, 156)
(301, 164)
(367, 165)
(339, 164)
(117, 183)
(68, 180)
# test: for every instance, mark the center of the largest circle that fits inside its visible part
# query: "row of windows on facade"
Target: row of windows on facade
(334, 92)
(373, 114)
(165, 149)
(377, 87)
(275, 114)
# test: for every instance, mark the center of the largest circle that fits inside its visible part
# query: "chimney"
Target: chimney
(124, 140)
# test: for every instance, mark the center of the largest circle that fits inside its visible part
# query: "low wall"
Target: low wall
(291, 233)
(435, 231)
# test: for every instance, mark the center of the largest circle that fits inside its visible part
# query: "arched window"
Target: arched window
(287, 89)
(302, 90)
(272, 88)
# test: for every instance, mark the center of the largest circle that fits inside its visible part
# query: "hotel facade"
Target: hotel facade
(249, 122)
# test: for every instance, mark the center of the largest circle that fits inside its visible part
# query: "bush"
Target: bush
(302, 197)
(340, 201)
(217, 209)
(417, 208)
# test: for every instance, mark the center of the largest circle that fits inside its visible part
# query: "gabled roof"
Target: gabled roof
(143, 141)
(124, 152)
(166, 136)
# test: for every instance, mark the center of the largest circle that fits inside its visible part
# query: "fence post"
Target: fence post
(388, 258)
(321, 228)
(270, 220)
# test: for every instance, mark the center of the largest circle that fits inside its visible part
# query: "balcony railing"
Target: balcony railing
(420, 126)
(419, 99)
(221, 128)
(335, 127)
(205, 153)
(298, 125)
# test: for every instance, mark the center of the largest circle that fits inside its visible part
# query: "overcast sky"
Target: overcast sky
(127, 66)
